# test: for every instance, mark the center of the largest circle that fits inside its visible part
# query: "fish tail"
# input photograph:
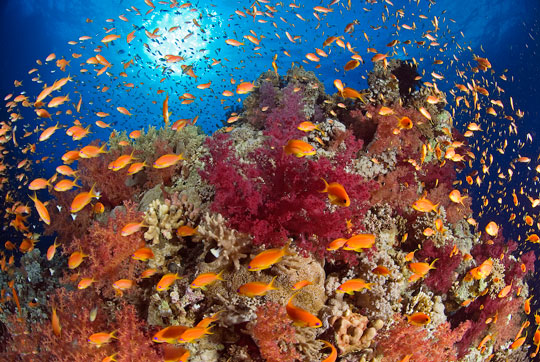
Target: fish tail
(75, 181)
(220, 275)
(325, 186)
(271, 284)
(289, 302)
(287, 249)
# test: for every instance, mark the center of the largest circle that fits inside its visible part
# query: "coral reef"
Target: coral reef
(178, 246)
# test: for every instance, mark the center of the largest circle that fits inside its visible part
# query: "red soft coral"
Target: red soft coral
(134, 340)
(403, 339)
(440, 280)
(274, 196)
(274, 334)
(109, 253)
(73, 308)
(111, 184)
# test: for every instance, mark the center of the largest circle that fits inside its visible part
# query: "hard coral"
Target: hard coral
(233, 245)
(353, 333)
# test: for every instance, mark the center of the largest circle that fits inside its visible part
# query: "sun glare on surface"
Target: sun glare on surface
(177, 39)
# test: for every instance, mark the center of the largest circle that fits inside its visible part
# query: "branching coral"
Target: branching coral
(163, 218)
(233, 246)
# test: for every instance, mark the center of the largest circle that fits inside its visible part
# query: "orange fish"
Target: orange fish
(122, 285)
(55, 322)
(419, 319)
(381, 270)
(482, 271)
(298, 148)
(75, 259)
(424, 205)
(121, 162)
(455, 196)
(101, 338)
(193, 333)
(244, 88)
(505, 291)
(82, 199)
(143, 254)
(336, 244)
(353, 285)
(38, 184)
(518, 342)
(299, 285)
(301, 317)
(233, 42)
(359, 242)
(41, 209)
(136, 167)
(92, 151)
(205, 322)
(308, 126)
(65, 185)
(336, 193)
(256, 289)
(99, 208)
(85, 283)
(148, 273)
(205, 279)
(422, 268)
(186, 230)
(131, 228)
(169, 334)
(173, 353)
(527, 305)
(267, 258)
(167, 160)
(405, 123)
(492, 229)
(166, 113)
(166, 281)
